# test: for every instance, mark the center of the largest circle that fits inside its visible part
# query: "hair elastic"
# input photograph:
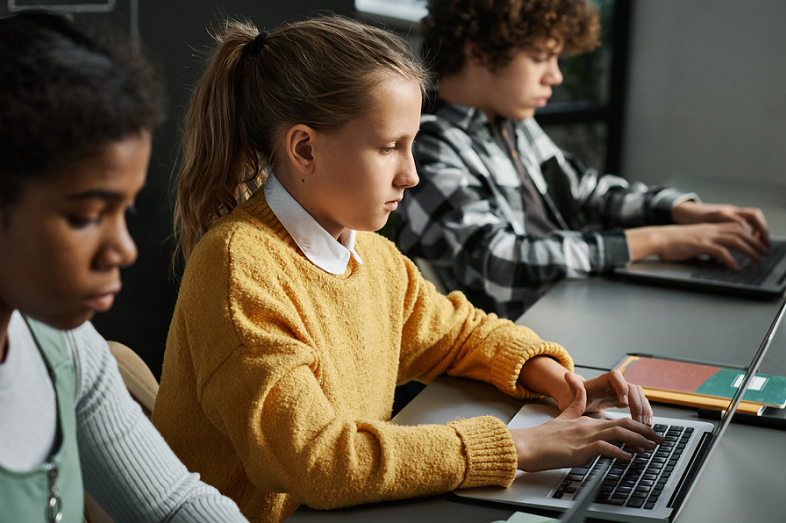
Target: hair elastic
(259, 42)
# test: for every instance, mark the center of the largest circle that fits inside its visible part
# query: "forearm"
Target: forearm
(644, 242)
(618, 204)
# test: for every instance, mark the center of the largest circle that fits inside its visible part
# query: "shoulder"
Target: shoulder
(92, 358)
(239, 242)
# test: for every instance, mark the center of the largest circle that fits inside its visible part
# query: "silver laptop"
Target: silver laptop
(765, 279)
(650, 487)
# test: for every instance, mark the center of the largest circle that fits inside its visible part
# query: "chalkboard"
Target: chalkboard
(174, 33)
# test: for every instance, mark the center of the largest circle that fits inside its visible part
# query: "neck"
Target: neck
(302, 194)
(461, 89)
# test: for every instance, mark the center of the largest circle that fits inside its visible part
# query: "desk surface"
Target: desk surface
(598, 320)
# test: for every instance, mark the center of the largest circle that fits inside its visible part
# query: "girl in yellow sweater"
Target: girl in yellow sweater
(294, 324)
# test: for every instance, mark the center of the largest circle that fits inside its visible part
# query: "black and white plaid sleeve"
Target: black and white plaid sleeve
(611, 200)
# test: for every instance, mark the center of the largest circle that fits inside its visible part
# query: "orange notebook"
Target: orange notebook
(699, 385)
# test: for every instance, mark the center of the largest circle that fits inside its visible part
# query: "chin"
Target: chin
(523, 115)
(65, 321)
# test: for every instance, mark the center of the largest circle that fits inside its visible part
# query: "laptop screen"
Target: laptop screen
(750, 372)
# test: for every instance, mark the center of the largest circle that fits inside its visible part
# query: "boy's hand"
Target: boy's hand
(695, 212)
(610, 390)
(683, 242)
(572, 440)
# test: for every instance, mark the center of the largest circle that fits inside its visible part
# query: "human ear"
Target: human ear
(474, 56)
(299, 147)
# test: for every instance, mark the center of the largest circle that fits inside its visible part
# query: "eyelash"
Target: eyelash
(79, 222)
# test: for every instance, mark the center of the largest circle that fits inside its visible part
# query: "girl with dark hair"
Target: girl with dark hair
(294, 323)
(75, 126)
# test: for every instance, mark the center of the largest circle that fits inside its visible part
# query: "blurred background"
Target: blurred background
(680, 93)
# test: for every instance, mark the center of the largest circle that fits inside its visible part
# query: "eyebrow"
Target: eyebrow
(543, 50)
(100, 194)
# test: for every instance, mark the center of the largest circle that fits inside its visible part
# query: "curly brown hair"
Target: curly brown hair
(503, 27)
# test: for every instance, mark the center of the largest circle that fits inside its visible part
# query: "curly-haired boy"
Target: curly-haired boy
(501, 211)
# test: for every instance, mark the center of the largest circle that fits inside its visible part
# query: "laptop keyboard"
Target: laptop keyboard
(750, 273)
(636, 483)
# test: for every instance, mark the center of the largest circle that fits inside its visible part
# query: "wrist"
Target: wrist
(544, 375)
(684, 212)
(643, 242)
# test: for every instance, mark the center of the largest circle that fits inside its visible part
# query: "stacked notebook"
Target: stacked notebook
(701, 385)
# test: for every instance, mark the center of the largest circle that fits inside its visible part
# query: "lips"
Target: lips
(101, 302)
(542, 101)
(392, 205)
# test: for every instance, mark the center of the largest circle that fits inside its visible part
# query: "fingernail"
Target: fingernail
(649, 420)
(625, 400)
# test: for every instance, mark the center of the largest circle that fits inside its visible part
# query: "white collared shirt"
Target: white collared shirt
(317, 244)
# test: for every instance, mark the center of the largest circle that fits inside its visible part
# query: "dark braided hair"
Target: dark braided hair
(64, 94)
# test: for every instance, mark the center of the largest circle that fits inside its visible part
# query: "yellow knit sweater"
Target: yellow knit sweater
(278, 377)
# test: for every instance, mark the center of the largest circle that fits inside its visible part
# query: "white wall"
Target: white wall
(706, 91)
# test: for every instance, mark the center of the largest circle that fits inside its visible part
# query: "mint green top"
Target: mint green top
(51, 492)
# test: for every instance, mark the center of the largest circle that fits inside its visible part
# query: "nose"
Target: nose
(119, 249)
(553, 75)
(408, 175)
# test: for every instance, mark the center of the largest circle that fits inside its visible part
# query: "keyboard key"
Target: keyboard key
(635, 502)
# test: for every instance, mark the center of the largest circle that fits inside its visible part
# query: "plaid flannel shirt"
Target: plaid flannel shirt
(467, 215)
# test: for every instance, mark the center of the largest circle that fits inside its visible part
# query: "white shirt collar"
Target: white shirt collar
(316, 243)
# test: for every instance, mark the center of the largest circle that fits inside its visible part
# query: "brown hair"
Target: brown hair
(501, 28)
(316, 72)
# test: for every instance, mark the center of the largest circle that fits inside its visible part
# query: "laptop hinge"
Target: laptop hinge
(690, 472)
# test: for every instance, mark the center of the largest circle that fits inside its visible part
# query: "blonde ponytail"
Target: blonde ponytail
(217, 156)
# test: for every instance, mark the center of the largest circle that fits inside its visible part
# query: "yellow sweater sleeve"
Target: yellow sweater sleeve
(447, 335)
